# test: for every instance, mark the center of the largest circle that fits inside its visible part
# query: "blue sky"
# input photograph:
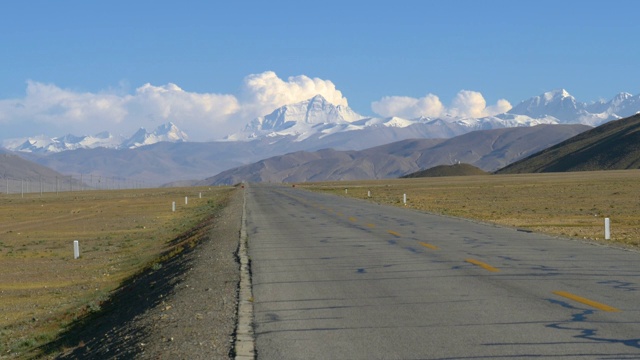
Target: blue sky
(61, 58)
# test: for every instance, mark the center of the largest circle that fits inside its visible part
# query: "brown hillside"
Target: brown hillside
(447, 170)
(485, 149)
(14, 167)
(612, 146)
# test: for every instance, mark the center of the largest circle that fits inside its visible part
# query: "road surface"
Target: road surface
(338, 278)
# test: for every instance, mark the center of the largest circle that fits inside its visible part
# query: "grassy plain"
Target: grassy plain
(566, 204)
(43, 289)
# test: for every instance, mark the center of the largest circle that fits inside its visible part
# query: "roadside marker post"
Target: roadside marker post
(346, 191)
(76, 249)
(607, 229)
(199, 195)
(404, 199)
(186, 200)
(368, 193)
(173, 206)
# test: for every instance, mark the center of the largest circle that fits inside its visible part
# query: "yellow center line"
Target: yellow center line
(432, 247)
(371, 225)
(394, 233)
(482, 265)
(340, 214)
(352, 219)
(585, 301)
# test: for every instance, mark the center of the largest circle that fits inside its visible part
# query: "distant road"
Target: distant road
(337, 278)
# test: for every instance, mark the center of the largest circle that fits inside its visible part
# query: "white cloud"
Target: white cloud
(265, 92)
(46, 103)
(501, 107)
(408, 107)
(89, 113)
(466, 103)
(197, 112)
(204, 116)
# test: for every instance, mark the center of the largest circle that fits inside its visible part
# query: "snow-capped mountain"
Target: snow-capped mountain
(622, 105)
(298, 119)
(43, 144)
(560, 105)
(317, 118)
(168, 132)
(317, 123)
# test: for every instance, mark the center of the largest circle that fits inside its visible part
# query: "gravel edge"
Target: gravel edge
(244, 337)
(186, 309)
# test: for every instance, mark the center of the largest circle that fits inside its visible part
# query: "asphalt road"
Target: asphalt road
(337, 278)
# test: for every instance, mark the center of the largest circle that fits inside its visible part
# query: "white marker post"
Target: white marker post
(368, 193)
(345, 191)
(404, 199)
(186, 200)
(200, 195)
(173, 207)
(76, 249)
(607, 229)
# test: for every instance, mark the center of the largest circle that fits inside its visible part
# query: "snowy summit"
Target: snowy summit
(43, 144)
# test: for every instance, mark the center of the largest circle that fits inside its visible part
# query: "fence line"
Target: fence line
(82, 182)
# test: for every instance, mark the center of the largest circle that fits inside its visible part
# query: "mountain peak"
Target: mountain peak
(621, 97)
(556, 103)
(165, 132)
(299, 118)
(317, 98)
(556, 94)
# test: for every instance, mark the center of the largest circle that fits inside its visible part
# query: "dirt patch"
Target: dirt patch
(183, 307)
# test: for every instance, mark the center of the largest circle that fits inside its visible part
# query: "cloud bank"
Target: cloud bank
(465, 104)
(204, 116)
(263, 93)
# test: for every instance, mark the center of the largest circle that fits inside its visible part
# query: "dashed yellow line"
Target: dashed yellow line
(432, 247)
(585, 301)
(482, 265)
(394, 233)
(339, 214)
(352, 219)
(371, 225)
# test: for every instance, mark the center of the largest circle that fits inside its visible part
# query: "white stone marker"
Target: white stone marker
(607, 229)
(76, 249)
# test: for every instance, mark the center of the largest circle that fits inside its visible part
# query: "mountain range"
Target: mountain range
(321, 124)
(318, 118)
(43, 144)
(165, 155)
(486, 149)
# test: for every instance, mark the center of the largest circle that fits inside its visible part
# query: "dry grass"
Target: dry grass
(566, 204)
(43, 289)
